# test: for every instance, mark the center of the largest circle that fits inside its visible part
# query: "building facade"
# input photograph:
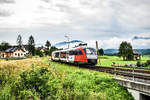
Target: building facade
(13, 53)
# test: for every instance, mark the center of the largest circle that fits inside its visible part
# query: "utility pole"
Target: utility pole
(97, 47)
(68, 40)
(98, 59)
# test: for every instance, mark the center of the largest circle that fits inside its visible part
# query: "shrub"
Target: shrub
(148, 62)
(138, 64)
(144, 64)
(28, 56)
(38, 83)
(39, 53)
(5, 93)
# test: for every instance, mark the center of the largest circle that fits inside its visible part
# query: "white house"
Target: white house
(13, 53)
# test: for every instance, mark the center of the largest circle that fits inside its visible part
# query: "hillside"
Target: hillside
(115, 51)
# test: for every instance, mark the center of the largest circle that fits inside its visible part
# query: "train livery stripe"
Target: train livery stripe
(81, 58)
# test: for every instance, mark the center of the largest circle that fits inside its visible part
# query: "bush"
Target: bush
(148, 62)
(5, 93)
(138, 64)
(39, 53)
(144, 64)
(28, 56)
(38, 83)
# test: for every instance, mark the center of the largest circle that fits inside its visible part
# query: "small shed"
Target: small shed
(136, 55)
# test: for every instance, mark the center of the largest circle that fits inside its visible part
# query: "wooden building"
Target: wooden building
(136, 55)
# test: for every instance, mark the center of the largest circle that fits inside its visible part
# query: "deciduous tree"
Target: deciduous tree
(53, 48)
(101, 52)
(126, 51)
(4, 46)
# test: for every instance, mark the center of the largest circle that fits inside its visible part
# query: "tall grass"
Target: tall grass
(40, 79)
(90, 85)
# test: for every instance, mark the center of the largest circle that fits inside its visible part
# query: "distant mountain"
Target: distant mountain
(111, 51)
(143, 51)
(115, 51)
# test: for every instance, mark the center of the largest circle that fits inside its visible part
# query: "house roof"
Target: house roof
(136, 52)
(12, 49)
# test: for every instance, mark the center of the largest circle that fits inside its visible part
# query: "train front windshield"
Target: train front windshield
(90, 51)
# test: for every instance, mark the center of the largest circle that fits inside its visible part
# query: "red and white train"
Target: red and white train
(79, 55)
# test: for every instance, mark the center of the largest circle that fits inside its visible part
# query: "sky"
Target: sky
(107, 21)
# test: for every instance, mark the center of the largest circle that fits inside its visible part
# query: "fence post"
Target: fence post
(115, 72)
(133, 74)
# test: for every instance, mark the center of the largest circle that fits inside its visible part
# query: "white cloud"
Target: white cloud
(114, 43)
(109, 21)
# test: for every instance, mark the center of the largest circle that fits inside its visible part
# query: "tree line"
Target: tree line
(30, 47)
(125, 51)
(125, 48)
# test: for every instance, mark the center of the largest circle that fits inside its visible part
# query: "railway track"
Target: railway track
(130, 73)
(143, 75)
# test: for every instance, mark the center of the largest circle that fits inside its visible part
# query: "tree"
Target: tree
(19, 41)
(48, 44)
(125, 51)
(4, 46)
(39, 52)
(31, 45)
(53, 48)
(101, 52)
(49, 52)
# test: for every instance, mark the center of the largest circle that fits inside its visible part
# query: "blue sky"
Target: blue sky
(108, 21)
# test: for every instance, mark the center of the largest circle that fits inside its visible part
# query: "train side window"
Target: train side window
(78, 52)
(91, 51)
(63, 54)
(75, 52)
(57, 55)
(71, 52)
(88, 51)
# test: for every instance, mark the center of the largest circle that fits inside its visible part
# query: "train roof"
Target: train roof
(71, 49)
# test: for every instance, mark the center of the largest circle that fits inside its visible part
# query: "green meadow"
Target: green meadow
(41, 79)
(108, 60)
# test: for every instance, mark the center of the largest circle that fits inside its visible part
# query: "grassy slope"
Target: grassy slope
(74, 83)
(99, 86)
(107, 60)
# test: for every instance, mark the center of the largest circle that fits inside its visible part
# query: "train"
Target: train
(77, 56)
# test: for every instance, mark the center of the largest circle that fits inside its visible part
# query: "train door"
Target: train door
(71, 56)
(67, 56)
(63, 56)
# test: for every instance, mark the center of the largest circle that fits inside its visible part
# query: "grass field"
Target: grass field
(108, 60)
(38, 78)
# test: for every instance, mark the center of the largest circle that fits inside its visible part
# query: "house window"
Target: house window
(15, 54)
(18, 54)
(21, 54)
(3, 55)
